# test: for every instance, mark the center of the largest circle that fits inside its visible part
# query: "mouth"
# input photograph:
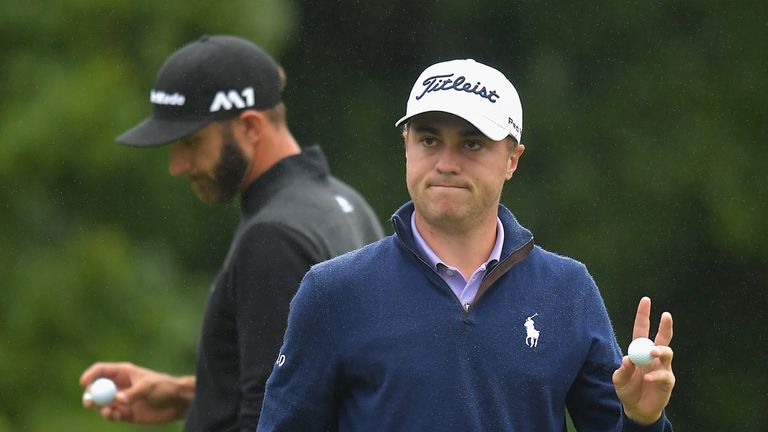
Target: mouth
(446, 186)
(198, 179)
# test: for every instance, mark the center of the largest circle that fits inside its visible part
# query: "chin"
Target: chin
(207, 199)
(217, 199)
(214, 193)
(209, 196)
(442, 215)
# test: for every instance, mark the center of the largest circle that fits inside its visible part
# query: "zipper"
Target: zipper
(510, 261)
(492, 276)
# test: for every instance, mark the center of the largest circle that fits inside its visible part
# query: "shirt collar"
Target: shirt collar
(431, 257)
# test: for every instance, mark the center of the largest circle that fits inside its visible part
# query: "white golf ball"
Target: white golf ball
(640, 351)
(102, 391)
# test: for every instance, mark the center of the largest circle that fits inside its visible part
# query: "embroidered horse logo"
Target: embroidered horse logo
(532, 335)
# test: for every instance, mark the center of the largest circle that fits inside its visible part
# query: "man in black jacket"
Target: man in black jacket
(217, 103)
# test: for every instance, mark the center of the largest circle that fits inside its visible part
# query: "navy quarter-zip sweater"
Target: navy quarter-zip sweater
(377, 341)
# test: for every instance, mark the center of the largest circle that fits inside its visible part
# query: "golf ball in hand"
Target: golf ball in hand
(102, 391)
(640, 351)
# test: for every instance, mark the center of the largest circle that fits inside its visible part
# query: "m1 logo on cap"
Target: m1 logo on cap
(233, 99)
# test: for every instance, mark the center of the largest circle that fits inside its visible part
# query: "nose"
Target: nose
(448, 161)
(179, 161)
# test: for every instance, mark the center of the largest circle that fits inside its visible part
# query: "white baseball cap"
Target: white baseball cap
(473, 91)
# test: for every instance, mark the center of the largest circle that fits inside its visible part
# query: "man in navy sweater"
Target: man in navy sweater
(457, 322)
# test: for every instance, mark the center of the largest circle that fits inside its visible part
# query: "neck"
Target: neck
(464, 249)
(274, 146)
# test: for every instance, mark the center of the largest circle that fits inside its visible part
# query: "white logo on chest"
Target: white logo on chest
(346, 207)
(531, 334)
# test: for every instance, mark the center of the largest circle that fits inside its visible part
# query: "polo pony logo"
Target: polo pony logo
(532, 335)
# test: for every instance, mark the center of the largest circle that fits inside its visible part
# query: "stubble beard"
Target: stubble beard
(457, 212)
(454, 217)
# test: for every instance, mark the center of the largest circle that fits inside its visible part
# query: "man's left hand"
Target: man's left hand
(644, 391)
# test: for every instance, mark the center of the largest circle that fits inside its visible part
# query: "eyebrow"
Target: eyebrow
(469, 132)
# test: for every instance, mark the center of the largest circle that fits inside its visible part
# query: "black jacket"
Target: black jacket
(293, 216)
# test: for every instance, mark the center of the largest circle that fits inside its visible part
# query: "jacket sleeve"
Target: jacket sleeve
(592, 401)
(301, 391)
(271, 261)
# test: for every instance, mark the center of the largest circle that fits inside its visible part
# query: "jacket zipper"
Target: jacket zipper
(505, 265)
(517, 256)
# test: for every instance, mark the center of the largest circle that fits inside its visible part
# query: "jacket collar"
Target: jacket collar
(310, 163)
(515, 235)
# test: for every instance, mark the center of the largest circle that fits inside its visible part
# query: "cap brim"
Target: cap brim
(156, 132)
(482, 123)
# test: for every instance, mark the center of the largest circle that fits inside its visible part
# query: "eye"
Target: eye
(473, 145)
(429, 141)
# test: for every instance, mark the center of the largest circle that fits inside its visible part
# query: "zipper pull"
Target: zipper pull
(466, 307)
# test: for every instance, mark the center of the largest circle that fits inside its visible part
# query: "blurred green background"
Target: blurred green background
(646, 156)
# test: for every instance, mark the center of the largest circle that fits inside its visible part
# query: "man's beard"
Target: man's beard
(230, 170)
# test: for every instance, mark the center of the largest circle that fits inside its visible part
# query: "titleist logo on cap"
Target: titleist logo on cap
(163, 98)
(475, 92)
(445, 82)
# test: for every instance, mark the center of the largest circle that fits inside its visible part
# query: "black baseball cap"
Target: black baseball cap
(212, 78)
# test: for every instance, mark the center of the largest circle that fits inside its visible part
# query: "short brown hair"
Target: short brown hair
(277, 114)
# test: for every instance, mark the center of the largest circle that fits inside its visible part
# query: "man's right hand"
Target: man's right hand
(143, 395)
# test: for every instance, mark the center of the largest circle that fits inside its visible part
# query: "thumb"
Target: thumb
(623, 374)
(135, 391)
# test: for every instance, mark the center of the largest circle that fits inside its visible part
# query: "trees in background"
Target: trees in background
(645, 154)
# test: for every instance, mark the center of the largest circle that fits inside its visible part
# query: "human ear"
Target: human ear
(404, 135)
(253, 123)
(514, 158)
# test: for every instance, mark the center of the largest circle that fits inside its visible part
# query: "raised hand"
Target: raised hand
(644, 391)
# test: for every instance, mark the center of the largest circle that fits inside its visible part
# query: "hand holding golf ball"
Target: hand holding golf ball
(644, 380)
(101, 392)
(639, 351)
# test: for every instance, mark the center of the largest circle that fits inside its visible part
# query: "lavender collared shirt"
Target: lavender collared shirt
(464, 290)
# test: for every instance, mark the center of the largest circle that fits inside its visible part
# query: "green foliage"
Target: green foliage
(645, 156)
(103, 256)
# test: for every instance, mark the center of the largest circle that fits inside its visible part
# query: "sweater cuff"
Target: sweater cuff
(631, 426)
